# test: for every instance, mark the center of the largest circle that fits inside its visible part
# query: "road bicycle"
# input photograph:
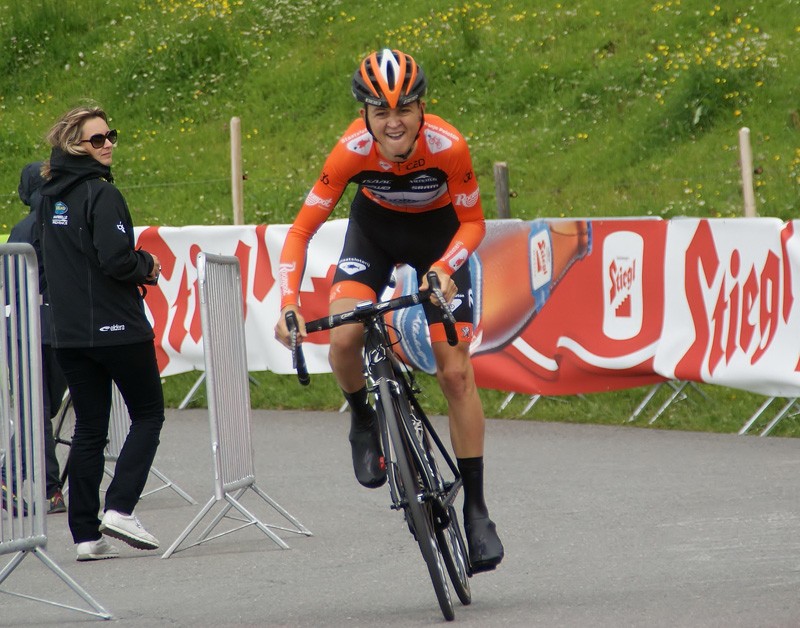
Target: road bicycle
(414, 453)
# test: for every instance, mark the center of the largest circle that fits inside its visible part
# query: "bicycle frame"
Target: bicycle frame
(382, 364)
(416, 485)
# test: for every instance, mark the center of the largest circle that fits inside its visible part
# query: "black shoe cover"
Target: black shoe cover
(485, 549)
(368, 461)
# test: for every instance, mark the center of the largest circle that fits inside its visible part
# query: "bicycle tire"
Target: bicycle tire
(449, 537)
(454, 553)
(419, 512)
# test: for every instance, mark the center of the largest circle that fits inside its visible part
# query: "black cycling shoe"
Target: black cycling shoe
(485, 549)
(368, 461)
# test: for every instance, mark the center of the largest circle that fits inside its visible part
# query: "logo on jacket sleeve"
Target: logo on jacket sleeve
(60, 214)
(467, 200)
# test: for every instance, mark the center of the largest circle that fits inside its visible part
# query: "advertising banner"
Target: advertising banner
(562, 306)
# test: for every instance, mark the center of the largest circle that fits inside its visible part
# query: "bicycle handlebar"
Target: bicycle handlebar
(298, 358)
(363, 312)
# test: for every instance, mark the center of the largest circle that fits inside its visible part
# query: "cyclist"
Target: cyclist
(417, 203)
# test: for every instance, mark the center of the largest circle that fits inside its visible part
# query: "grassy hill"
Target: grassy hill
(599, 107)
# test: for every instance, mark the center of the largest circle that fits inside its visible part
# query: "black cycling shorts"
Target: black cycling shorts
(379, 239)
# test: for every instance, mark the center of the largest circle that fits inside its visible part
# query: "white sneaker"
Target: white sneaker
(96, 550)
(128, 529)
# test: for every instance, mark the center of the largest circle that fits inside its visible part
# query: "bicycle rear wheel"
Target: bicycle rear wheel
(419, 511)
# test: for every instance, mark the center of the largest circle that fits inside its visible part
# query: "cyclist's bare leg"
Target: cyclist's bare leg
(346, 345)
(465, 410)
(467, 425)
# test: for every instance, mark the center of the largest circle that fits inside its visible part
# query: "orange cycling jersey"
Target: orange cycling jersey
(438, 173)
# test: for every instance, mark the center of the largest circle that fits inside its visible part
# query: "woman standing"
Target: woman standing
(99, 330)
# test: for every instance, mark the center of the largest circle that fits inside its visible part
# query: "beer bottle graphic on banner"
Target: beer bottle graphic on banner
(514, 270)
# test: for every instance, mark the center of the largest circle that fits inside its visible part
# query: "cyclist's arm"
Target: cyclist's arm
(316, 209)
(463, 187)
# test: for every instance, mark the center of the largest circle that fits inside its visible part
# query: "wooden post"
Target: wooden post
(237, 181)
(746, 164)
(501, 189)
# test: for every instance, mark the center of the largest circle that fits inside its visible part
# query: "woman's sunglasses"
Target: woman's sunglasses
(98, 140)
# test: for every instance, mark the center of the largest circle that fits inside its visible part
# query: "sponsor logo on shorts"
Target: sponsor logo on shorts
(353, 266)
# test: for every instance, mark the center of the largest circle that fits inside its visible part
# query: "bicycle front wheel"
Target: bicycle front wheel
(454, 552)
(416, 509)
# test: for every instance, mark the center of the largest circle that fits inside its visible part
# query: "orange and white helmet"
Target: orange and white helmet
(389, 78)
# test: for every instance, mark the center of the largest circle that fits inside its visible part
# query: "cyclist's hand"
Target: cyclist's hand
(449, 288)
(282, 333)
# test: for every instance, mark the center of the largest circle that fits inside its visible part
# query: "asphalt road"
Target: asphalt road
(603, 526)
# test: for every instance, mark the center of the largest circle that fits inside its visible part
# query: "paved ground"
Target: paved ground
(603, 526)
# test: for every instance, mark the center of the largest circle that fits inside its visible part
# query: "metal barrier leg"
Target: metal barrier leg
(192, 391)
(167, 483)
(192, 525)
(783, 412)
(648, 397)
(677, 392)
(506, 401)
(98, 611)
(531, 402)
(756, 416)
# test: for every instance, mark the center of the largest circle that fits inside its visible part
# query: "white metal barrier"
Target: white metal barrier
(228, 394)
(23, 528)
(118, 427)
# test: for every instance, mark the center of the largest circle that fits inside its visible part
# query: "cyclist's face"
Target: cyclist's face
(395, 130)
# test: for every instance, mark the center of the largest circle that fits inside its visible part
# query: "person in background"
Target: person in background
(99, 331)
(53, 383)
(417, 203)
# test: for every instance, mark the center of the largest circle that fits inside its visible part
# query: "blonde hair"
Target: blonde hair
(65, 134)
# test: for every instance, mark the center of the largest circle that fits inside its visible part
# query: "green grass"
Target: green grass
(599, 107)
